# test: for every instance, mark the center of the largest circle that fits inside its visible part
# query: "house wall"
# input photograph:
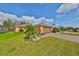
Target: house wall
(17, 29)
(3, 28)
(43, 29)
(37, 29)
(47, 29)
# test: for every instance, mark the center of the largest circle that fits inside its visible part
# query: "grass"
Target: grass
(72, 33)
(13, 44)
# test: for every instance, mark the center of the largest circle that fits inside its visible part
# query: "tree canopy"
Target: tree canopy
(30, 31)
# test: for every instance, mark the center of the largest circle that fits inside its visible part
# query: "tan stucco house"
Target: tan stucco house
(19, 28)
(40, 29)
(3, 28)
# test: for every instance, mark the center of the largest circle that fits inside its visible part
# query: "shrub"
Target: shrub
(30, 31)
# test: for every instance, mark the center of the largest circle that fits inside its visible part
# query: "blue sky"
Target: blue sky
(37, 10)
(60, 14)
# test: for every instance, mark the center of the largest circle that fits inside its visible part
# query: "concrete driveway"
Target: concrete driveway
(64, 36)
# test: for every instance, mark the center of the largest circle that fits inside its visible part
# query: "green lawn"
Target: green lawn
(72, 33)
(13, 44)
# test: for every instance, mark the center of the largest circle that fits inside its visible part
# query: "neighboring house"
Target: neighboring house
(3, 28)
(40, 29)
(19, 28)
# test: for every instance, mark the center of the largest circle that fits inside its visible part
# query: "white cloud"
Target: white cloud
(5, 16)
(50, 20)
(27, 17)
(31, 19)
(67, 7)
(34, 20)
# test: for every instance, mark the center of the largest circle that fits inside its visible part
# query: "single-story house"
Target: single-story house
(3, 28)
(19, 28)
(40, 29)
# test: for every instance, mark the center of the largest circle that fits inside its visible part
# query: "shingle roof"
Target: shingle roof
(43, 25)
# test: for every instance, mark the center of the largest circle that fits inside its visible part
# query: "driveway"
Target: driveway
(64, 36)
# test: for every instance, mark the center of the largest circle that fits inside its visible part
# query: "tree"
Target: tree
(30, 32)
(8, 24)
(75, 30)
(63, 28)
(22, 22)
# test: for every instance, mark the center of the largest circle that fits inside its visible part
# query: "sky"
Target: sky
(62, 14)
